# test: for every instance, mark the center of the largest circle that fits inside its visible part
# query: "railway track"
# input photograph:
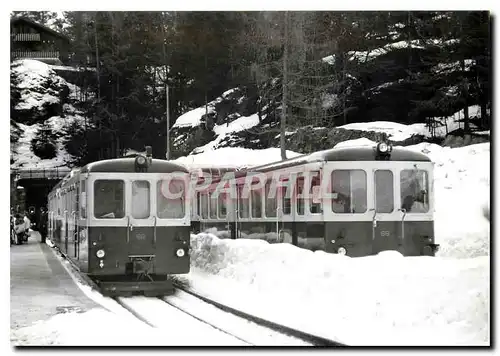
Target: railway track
(240, 328)
(298, 335)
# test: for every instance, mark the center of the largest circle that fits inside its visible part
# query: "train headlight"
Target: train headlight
(383, 147)
(100, 253)
(141, 160)
(341, 251)
(180, 252)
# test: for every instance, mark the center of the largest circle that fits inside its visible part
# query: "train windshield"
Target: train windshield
(109, 199)
(171, 199)
(349, 191)
(384, 191)
(415, 191)
(140, 199)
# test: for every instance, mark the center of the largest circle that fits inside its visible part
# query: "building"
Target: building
(35, 41)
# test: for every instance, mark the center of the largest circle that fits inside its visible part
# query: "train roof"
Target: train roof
(120, 165)
(362, 153)
(127, 165)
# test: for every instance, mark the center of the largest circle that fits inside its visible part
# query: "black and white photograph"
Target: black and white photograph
(263, 179)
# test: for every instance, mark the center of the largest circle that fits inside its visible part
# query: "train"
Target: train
(113, 220)
(353, 201)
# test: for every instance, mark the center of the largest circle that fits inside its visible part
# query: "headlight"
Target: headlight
(341, 251)
(100, 253)
(180, 252)
(141, 160)
(382, 147)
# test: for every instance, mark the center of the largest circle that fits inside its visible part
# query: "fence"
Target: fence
(30, 54)
(22, 37)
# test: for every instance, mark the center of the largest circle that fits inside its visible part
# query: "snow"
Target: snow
(34, 78)
(236, 157)
(400, 132)
(37, 81)
(25, 158)
(240, 124)
(395, 131)
(192, 118)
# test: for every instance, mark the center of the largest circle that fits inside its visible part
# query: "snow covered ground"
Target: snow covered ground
(378, 300)
(400, 132)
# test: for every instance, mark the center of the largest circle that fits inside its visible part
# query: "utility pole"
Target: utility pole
(285, 83)
(168, 120)
(167, 154)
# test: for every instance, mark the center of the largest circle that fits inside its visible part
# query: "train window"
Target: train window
(349, 191)
(286, 200)
(384, 191)
(256, 201)
(244, 203)
(83, 199)
(315, 198)
(270, 202)
(141, 199)
(300, 197)
(213, 205)
(415, 191)
(109, 200)
(170, 202)
(222, 205)
(204, 205)
(198, 203)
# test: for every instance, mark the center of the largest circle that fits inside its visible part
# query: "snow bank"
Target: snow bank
(358, 301)
(462, 188)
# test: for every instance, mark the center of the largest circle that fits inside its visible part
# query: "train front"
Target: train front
(138, 225)
(382, 199)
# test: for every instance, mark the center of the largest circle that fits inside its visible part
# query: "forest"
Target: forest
(299, 69)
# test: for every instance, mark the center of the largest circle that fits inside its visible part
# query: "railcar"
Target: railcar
(114, 220)
(354, 201)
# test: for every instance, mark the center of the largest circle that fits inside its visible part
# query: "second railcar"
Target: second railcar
(356, 201)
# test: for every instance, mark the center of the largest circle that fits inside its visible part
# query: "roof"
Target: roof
(127, 165)
(39, 26)
(364, 153)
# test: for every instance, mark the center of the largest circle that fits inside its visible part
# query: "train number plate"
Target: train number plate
(140, 236)
(385, 233)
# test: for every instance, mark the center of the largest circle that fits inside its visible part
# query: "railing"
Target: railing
(25, 37)
(54, 173)
(29, 54)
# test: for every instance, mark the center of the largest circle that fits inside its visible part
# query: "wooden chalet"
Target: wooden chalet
(35, 41)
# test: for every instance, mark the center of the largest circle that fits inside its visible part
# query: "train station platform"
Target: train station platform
(40, 287)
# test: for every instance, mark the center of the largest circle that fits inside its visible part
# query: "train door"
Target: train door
(66, 212)
(76, 219)
(385, 232)
(141, 223)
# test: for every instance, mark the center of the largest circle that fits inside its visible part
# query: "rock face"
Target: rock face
(41, 92)
(43, 106)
